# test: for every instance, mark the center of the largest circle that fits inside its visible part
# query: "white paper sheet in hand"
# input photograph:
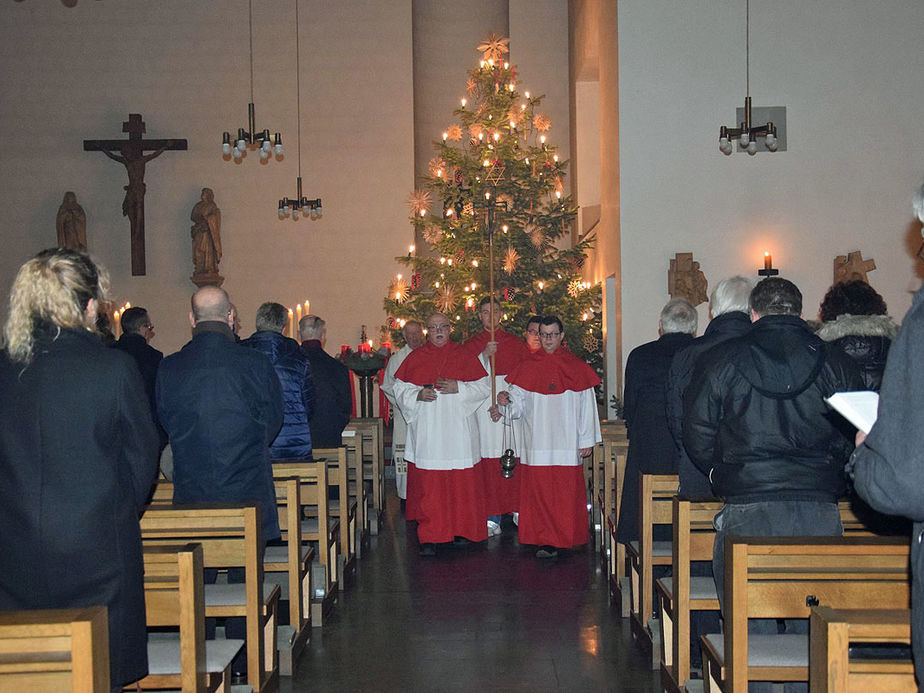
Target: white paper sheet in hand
(859, 408)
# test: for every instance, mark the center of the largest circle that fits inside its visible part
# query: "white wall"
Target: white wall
(850, 75)
(74, 74)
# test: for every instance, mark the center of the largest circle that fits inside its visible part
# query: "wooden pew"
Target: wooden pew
(175, 597)
(55, 650)
(614, 460)
(293, 560)
(318, 528)
(372, 431)
(287, 566)
(231, 536)
(614, 432)
(656, 493)
(346, 507)
(681, 594)
(833, 631)
(783, 577)
(358, 490)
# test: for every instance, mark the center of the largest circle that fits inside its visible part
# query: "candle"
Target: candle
(298, 312)
(307, 307)
(768, 260)
(291, 325)
(116, 325)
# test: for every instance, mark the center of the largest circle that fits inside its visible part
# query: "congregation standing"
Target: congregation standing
(740, 412)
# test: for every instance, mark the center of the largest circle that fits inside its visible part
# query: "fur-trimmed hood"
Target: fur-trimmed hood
(858, 325)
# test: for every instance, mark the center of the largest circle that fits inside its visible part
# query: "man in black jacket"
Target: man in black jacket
(756, 423)
(137, 333)
(728, 307)
(331, 385)
(651, 450)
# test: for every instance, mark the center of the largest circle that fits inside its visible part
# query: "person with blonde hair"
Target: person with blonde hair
(78, 455)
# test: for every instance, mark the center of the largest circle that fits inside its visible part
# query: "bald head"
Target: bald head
(210, 303)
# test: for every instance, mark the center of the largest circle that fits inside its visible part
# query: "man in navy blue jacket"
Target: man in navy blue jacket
(294, 371)
(221, 405)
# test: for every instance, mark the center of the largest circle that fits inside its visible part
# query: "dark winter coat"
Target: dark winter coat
(651, 450)
(865, 339)
(693, 483)
(221, 405)
(78, 455)
(888, 466)
(332, 394)
(294, 371)
(148, 359)
(755, 416)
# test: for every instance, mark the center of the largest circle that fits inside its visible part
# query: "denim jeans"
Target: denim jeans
(772, 519)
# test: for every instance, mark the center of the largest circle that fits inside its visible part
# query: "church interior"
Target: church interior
(636, 92)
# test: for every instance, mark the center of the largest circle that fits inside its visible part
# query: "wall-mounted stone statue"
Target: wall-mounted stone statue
(686, 280)
(206, 240)
(71, 224)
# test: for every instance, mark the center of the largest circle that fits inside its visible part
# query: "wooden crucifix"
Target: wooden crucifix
(131, 154)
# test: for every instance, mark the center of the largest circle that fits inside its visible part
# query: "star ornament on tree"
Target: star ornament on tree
(495, 174)
(494, 47)
(419, 201)
(510, 260)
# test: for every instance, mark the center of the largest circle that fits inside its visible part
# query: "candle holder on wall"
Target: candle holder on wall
(769, 270)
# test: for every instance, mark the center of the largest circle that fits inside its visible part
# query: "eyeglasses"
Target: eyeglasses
(532, 332)
(548, 335)
(441, 328)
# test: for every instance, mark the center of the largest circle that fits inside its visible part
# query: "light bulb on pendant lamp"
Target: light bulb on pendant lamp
(226, 144)
(278, 148)
(752, 148)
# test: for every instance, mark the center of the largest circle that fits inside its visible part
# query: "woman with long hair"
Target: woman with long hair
(78, 454)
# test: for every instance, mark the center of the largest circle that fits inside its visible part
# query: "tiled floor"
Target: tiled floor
(484, 619)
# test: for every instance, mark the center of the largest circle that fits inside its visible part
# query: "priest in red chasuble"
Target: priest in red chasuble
(501, 495)
(439, 387)
(553, 392)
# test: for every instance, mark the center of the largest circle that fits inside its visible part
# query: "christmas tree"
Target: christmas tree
(496, 176)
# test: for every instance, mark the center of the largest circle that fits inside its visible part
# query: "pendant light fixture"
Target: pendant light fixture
(250, 138)
(746, 133)
(291, 208)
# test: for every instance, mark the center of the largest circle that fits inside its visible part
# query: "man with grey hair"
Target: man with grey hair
(294, 371)
(728, 308)
(331, 385)
(651, 450)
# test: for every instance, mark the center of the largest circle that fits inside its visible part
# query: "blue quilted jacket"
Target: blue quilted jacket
(294, 371)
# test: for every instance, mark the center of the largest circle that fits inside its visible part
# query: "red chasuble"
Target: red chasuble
(547, 374)
(445, 502)
(553, 497)
(427, 364)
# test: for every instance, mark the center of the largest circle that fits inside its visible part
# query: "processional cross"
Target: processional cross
(131, 154)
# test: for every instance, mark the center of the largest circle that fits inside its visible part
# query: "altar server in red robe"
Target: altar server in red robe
(553, 391)
(439, 387)
(501, 495)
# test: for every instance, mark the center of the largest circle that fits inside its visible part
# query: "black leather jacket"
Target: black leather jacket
(755, 417)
